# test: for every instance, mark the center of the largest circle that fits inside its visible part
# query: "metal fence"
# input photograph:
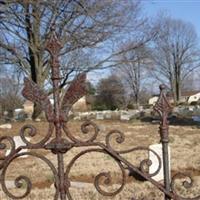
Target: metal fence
(61, 144)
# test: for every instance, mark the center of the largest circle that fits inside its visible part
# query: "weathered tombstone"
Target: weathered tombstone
(18, 110)
(92, 115)
(191, 108)
(108, 114)
(18, 142)
(115, 115)
(100, 116)
(6, 126)
(51, 101)
(176, 109)
(7, 115)
(83, 115)
(155, 162)
(19, 114)
(124, 116)
(196, 118)
(28, 108)
(197, 107)
(140, 108)
(77, 118)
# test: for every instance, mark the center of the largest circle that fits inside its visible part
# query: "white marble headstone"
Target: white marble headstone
(100, 116)
(6, 126)
(108, 115)
(125, 116)
(18, 142)
(155, 163)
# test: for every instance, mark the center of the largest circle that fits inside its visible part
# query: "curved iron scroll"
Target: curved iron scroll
(59, 144)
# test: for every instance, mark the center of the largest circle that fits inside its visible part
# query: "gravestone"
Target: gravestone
(191, 108)
(77, 118)
(196, 118)
(18, 142)
(125, 116)
(155, 163)
(116, 115)
(108, 114)
(83, 115)
(28, 108)
(100, 116)
(140, 108)
(18, 110)
(6, 126)
(91, 115)
(20, 115)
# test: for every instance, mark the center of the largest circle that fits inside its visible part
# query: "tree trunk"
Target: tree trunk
(40, 82)
(35, 58)
(36, 111)
(177, 83)
(137, 99)
(177, 90)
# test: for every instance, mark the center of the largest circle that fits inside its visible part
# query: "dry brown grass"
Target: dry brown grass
(185, 148)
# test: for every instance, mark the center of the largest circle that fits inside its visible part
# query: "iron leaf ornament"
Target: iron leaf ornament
(54, 45)
(163, 108)
(75, 91)
(33, 93)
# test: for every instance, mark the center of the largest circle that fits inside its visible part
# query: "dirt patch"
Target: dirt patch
(188, 171)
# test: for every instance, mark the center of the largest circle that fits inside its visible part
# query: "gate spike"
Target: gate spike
(54, 45)
(162, 106)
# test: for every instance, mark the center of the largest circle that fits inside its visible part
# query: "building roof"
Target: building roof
(28, 103)
(184, 93)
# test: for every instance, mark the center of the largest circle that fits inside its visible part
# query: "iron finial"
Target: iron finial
(162, 87)
(53, 45)
(162, 106)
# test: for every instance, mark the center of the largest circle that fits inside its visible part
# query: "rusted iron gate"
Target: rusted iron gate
(60, 144)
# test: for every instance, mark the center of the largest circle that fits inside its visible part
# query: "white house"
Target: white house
(80, 105)
(153, 100)
(194, 98)
(188, 97)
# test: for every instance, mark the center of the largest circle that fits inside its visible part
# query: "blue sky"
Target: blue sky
(187, 10)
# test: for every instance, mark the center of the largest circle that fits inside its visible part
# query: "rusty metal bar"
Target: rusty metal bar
(166, 168)
(54, 46)
(163, 108)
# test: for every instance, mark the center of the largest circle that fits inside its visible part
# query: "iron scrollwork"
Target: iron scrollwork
(59, 143)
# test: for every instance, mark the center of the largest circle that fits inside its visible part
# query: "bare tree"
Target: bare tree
(175, 53)
(132, 70)
(10, 97)
(86, 29)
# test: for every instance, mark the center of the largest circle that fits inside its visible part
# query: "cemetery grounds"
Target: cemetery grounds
(184, 144)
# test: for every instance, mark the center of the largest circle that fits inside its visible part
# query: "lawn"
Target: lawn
(185, 157)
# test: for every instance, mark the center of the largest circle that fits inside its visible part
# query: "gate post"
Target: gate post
(163, 108)
(54, 47)
(164, 141)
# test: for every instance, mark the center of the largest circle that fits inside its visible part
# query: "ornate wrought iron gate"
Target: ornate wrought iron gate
(60, 144)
